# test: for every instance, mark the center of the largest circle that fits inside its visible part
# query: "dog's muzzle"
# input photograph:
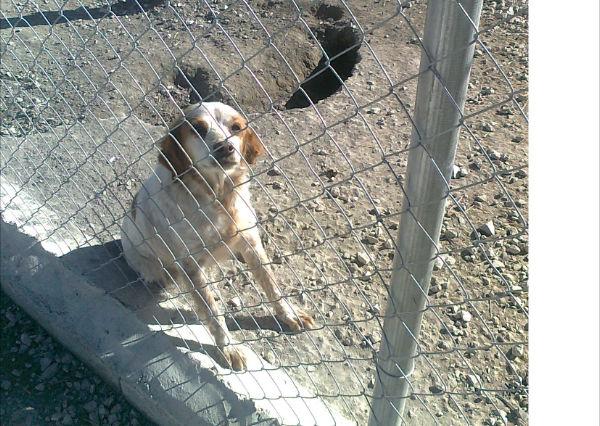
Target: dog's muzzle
(224, 153)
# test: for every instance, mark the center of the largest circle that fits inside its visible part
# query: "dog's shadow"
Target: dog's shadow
(104, 267)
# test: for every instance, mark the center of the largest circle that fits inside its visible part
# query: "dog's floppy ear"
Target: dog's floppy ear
(172, 149)
(251, 147)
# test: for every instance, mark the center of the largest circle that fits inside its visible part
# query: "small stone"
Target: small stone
(369, 239)
(521, 174)
(443, 345)
(235, 302)
(49, 372)
(487, 127)
(513, 249)
(434, 289)
(520, 202)
(44, 363)
(455, 331)
(374, 309)
(436, 389)
(516, 352)
(498, 264)
(517, 139)
(473, 380)
(450, 234)
(274, 171)
(487, 229)
(362, 259)
(480, 198)
(67, 420)
(485, 90)
(465, 316)
(503, 416)
(277, 185)
(347, 341)
(455, 171)
(25, 339)
(505, 111)
(329, 173)
(494, 155)
(475, 165)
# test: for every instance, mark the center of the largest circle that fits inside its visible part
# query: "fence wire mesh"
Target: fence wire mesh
(91, 88)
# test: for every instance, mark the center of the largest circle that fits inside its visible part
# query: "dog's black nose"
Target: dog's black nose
(223, 149)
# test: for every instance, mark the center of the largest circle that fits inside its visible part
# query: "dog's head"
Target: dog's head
(211, 137)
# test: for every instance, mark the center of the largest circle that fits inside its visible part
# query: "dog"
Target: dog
(195, 211)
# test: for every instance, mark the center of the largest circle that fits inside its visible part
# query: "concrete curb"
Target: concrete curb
(168, 385)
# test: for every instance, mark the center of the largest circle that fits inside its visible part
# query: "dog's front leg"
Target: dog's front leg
(254, 254)
(190, 282)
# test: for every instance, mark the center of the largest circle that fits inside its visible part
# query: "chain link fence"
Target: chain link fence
(395, 217)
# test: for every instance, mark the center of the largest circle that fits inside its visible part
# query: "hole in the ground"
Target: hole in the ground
(200, 84)
(327, 11)
(322, 81)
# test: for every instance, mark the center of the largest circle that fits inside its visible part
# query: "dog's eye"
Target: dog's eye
(201, 128)
(236, 127)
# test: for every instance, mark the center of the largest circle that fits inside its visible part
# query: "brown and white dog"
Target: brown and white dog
(194, 211)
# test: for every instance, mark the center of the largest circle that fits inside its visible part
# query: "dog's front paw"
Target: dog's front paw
(297, 320)
(235, 357)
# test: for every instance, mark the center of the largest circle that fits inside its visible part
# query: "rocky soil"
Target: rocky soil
(43, 384)
(329, 193)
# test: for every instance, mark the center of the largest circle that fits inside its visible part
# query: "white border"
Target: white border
(564, 212)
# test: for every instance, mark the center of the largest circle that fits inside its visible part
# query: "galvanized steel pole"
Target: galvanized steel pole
(449, 43)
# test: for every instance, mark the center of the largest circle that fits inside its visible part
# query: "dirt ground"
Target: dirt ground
(84, 100)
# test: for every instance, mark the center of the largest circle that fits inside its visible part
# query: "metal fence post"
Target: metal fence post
(449, 36)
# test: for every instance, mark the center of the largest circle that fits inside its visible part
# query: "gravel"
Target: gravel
(41, 383)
